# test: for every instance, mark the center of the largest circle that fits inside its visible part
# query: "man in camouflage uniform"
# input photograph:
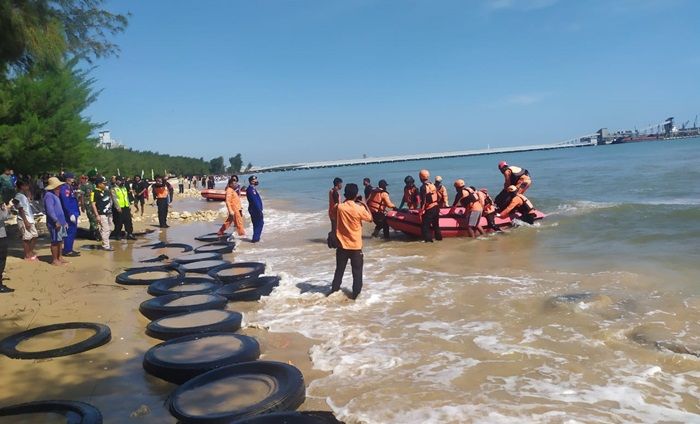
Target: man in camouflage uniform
(86, 187)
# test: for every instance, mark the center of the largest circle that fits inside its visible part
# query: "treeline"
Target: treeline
(132, 162)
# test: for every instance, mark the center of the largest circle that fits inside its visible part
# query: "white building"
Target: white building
(106, 140)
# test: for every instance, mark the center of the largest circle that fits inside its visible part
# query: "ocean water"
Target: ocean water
(465, 331)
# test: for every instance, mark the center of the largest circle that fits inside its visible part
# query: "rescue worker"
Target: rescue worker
(86, 188)
(71, 210)
(334, 201)
(122, 211)
(255, 208)
(430, 210)
(378, 201)
(519, 203)
(162, 196)
(233, 205)
(442, 197)
(467, 198)
(101, 204)
(489, 209)
(411, 196)
(514, 175)
(351, 213)
(368, 186)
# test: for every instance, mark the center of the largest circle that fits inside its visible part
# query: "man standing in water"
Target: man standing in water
(429, 210)
(255, 207)
(351, 213)
(334, 200)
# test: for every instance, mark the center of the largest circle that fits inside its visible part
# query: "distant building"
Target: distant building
(107, 142)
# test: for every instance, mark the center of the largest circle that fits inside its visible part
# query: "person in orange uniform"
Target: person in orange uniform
(489, 209)
(519, 203)
(442, 198)
(469, 200)
(515, 175)
(334, 201)
(411, 196)
(233, 204)
(378, 201)
(351, 213)
(430, 210)
(162, 196)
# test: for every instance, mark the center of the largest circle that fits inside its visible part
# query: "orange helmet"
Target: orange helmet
(459, 183)
(512, 189)
(423, 174)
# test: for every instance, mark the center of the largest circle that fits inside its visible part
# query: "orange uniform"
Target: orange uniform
(429, 196)
(442, 197)
(411, 197)
(161, 192)
(233, 204)
(519, 203)
(379, 201)
(349, 218)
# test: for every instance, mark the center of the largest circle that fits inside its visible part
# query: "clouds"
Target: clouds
(523, 5)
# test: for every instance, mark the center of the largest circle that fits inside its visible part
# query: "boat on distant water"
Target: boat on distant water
(451, 224)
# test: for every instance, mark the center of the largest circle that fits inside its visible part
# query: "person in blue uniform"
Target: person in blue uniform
(255, 207)
(71, 209)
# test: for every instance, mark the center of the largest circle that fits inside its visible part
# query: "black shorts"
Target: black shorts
(140, 199)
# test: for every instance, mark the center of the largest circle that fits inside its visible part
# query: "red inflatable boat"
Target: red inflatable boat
(220, 195)
(451, 225)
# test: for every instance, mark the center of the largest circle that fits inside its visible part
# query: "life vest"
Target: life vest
(526, 208)
(489, 205)
(441, 196)
(410, 195)
(375, 202)
(161, 191)
(431, 196)
(103, 201)
(515, 173)
(467, 199)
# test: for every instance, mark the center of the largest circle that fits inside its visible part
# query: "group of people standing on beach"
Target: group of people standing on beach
(235, 208)
(347, 216)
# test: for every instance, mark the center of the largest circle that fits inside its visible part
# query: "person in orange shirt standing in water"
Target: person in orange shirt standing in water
(429, 210)
(443, 198)
(378, 202)
(233, 204)
(333, 201)
(351, 213)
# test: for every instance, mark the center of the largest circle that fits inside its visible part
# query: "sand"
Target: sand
(109, 377)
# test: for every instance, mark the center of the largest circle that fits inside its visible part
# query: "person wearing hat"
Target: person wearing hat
(255, 208)
(519, 203)
(378, 202)
(71, 210)
(101, 204)
(442, 197)
(429, 210)
(122, 210)
(161, 193)
(55, 219)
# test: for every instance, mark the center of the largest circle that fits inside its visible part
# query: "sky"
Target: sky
(289, 81)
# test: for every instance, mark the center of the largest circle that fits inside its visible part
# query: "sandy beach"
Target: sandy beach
(110, 377)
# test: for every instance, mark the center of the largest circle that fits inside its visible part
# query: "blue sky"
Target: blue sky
(288, 81)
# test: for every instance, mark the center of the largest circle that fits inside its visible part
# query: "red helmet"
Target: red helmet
(502, 164)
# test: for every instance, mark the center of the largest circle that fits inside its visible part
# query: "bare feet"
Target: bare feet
(63, 261)
(57, 263)
(31, 259)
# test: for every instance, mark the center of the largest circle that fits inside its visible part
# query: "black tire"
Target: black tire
(185, 247)
(154, 245)
(253, 290)
(160, 330)
(166, 286)
(305, 417)
(212, 237)
(158, 306)
(125, 277)
(201, 267)
(179, 372)
(75, 412)
(287, 394)
(257, 269)
(196, 257)
(159, 258)
(8, 345)
(216, 247)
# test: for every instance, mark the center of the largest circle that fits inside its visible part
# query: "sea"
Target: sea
(589, 316)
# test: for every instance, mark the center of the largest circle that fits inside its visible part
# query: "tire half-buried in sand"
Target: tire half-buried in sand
(74, 412)
(216, 247)
(181, 359)
(238, 391)
(196, 257)
(183, 285)
(9, 346)
(172, 304)
(145, 275)
(253, 289)
(212, 237)
(303, 417)
(200, 322)
(201, 267)
(237, 272)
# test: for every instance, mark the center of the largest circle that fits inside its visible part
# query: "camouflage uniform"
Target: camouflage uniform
(86, 189)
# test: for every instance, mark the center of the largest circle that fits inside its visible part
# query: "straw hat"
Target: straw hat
(54, 183)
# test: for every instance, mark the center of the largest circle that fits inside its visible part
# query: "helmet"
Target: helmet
(512, 189)
(438, 179)
(459, 183)
(502, 164)
(409, 180)
(423, 174)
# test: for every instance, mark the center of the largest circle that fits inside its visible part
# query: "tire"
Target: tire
(125, 277)
(305, 417)
(196, 257)
(201, 267)
(253, 290)
(216, 247)
(159, 329)
(257, 269)
(8, 346)
(287, 394)
(159, 258)
(158, 306)
(212, 237)
(75, 412)
(185, 247)
(154, 245)
(165, 286)
(179, 372)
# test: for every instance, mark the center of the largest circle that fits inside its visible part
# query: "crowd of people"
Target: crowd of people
(469, 203)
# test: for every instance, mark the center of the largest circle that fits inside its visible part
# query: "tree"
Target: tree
(249, 167)
(236, 164)
(216, 165)
(43, 32)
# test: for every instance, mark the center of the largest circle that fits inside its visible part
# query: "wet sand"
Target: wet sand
(110, 377)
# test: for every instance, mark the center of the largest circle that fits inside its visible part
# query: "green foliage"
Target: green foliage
(40, 123)
(236, 164)
(132, 162)
(216, 165)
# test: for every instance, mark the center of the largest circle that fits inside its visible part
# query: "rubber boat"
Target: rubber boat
(213, 194)
(451, 225)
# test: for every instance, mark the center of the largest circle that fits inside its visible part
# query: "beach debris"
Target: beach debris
(141, 411)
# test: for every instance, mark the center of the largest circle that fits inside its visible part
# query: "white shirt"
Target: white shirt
(27, 206)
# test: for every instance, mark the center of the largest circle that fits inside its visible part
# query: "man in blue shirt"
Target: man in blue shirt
(255, 207)
(71, 210)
